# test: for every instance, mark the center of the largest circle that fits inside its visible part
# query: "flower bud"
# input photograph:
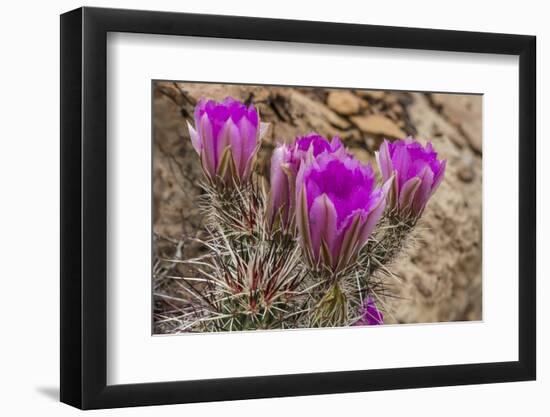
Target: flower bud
(285, 163)
(417, 173)
(226, 136)
(370, 315)
(337, 207)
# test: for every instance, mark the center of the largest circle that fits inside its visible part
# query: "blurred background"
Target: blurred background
(441, 275)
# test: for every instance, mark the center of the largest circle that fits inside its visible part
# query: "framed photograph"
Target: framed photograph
(256, 208)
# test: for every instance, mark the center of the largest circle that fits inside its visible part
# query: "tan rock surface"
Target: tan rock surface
(344, 102)
(376, 124)
(462, 111)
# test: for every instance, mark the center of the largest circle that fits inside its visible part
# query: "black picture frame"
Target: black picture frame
(84, 207)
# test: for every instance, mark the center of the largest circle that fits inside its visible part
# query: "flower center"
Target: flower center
(349, 189)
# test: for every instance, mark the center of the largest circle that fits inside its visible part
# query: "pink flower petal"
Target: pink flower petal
(229, 136)
(439, 176)
(208, 150)
(408, 193)
(423, 193)
(302, 222)
(322, 222)
(195, 139)
(280, 193)
(249, 140)
(384, 160)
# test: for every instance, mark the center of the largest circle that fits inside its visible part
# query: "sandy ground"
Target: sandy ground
(441, 274)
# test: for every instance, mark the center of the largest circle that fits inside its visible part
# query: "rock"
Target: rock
(436, 130)
(320, 117)
(362, 155)
(377, 124)
(372, 143)
(344, 102)
(374, 95)
(465, 170)
(463, 110)
(459, 141)
(397, 109)
(352, 135)
(390, 99)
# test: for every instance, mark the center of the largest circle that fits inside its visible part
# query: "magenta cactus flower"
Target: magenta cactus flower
(417, 173)
(317, 143)
(370, 315)
(226, 136)
(285, 163)
(284, 168)
(337, 207)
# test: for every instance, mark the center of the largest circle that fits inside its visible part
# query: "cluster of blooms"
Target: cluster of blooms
(319, 193)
